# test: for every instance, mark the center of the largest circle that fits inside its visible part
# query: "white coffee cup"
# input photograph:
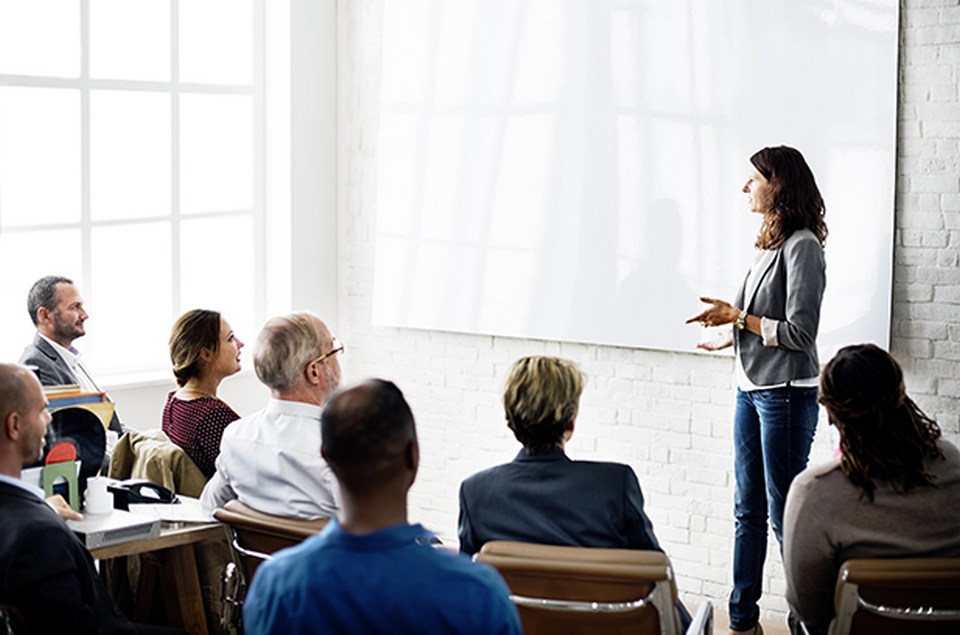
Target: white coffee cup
(99, 500)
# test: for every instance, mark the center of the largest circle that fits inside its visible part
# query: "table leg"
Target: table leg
(184, 589)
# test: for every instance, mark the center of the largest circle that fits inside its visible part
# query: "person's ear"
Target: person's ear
(11, 426)
(312, 374)
(43, 315)
(205, 355)
(411, 457)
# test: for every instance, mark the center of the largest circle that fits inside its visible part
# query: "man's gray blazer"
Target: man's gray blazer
(788, 288)
(53, 371)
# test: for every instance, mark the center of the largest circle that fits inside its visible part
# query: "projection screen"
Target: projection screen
(572, 169)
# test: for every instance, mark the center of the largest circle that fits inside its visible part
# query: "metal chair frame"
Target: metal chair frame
(908, 574)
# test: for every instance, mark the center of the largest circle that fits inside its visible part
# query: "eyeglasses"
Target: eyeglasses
(337, 348)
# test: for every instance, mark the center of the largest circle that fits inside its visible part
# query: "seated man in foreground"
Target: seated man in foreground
(892, 493)
(271, 459)
(370, 571)
(45, 571)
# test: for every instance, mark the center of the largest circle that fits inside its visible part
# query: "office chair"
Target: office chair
(254, 537)
(11, 621)
(584, 590)
(911, 595)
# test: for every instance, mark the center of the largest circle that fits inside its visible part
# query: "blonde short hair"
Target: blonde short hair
(285, 346)
(541, 400)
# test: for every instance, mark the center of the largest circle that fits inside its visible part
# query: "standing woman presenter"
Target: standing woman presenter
(775, 319)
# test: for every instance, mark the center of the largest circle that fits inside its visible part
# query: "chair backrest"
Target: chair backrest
(256, 535)
(911, 595)
(584, 590)
(11, 621)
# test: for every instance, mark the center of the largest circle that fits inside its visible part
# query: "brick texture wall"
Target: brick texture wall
(668, 415)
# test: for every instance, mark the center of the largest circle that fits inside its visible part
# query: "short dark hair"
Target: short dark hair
(43, 293)
(795, 201)
(365, 431)
(192, 332)
(883, 433)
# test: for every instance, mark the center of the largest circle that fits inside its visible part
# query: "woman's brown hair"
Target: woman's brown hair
(883, 433)
(192, 332)
(793, 201)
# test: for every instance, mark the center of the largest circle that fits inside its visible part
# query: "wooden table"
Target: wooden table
(176, 541)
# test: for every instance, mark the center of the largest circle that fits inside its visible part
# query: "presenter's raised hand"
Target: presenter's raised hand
(717, 314)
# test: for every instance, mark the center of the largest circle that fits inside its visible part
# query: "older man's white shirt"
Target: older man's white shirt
(271, 462)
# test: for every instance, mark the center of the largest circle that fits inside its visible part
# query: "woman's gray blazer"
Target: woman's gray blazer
(789, 289)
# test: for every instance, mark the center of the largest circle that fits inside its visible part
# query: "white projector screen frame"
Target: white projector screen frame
(571, 169)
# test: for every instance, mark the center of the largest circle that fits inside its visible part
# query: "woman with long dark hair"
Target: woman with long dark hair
(893, 491)
(775, 318)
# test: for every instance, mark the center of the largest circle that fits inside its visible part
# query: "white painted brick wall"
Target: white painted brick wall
(666, 414)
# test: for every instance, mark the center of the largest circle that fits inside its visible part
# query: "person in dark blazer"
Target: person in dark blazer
(543, 496)
(45, 571)
(56, 308)
(775, 318)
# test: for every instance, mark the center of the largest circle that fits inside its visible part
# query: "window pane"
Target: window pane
(130, 39)
(39, 156)
(227, 57)
(216, 269)
(216, 152)
(40, 37)
(129, 304)
(24, 259)
(129, 155)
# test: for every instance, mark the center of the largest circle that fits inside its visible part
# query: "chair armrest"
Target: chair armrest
(702, 623)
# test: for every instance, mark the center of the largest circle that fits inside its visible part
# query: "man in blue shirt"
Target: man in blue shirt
(370, 571)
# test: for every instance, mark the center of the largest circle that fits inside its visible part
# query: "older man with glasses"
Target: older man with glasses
(271, 459)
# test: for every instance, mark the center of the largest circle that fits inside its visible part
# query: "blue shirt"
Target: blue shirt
(389, 582)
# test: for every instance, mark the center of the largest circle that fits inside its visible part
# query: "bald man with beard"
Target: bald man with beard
(45, 571)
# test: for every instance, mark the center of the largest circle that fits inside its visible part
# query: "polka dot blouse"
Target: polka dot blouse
(197, 426)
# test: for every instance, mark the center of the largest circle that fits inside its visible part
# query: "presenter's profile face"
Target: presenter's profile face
(757, 189)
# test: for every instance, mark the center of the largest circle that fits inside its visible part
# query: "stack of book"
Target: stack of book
(71, 396)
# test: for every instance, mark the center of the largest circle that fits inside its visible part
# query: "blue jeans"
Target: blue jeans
(772, 433)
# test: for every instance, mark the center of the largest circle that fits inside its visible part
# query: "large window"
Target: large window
(131, 160)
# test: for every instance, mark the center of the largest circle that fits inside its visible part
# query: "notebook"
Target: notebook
(105, 530)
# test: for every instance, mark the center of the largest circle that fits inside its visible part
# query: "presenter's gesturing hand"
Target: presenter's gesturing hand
(718, 314)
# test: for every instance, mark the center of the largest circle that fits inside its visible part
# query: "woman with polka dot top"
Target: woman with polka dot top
(204, 350)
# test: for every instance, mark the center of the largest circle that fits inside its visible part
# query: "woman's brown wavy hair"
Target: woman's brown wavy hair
(793, 199)
(883, 434)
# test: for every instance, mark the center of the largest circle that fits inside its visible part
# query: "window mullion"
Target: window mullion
(86, 230)
(175, 157)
